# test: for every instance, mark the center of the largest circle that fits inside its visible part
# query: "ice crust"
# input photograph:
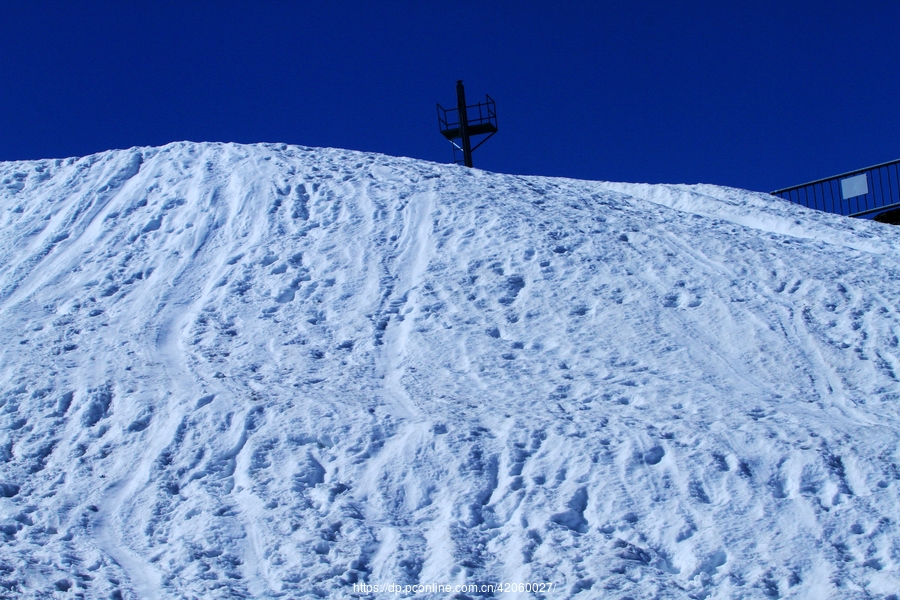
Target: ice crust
(274, 371)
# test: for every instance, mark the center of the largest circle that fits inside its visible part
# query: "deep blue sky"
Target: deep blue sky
(759, 94)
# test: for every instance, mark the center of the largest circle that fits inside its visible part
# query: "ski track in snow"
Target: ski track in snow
(273, 371)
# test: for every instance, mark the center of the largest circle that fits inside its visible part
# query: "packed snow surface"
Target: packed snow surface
(272, 371)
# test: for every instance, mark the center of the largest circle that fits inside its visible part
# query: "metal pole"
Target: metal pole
(463, 122)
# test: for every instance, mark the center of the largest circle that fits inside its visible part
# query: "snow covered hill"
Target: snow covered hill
(272, 371)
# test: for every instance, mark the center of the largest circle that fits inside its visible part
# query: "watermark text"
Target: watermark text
(450, 588)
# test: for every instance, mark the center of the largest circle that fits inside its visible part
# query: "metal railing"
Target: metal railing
(486, 120)
(853, 194)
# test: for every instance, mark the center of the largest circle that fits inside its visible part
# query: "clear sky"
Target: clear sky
(759, 95)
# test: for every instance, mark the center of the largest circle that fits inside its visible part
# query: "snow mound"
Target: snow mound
(274, 371)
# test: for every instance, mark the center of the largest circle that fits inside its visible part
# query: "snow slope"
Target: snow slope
(272, 371)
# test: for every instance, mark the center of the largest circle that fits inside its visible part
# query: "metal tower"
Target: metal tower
(464, 124)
